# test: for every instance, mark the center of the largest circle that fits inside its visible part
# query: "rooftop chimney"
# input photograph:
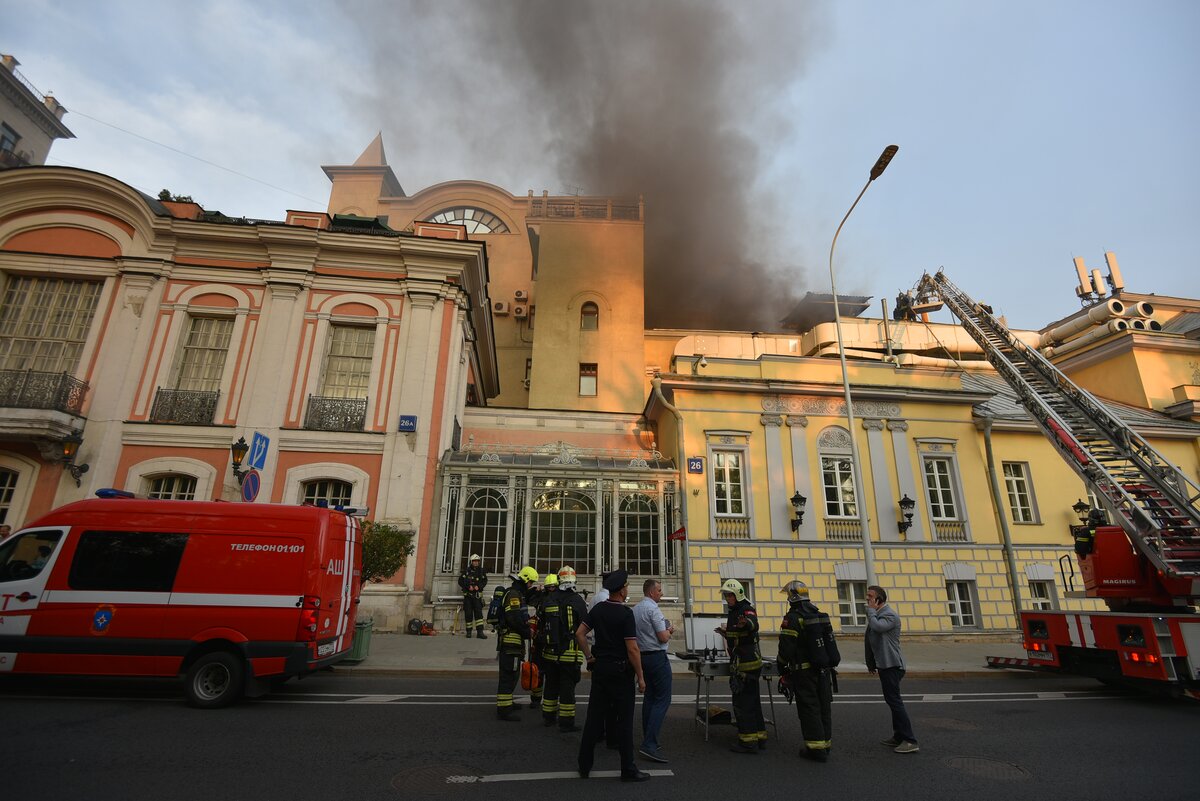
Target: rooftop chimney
(55, 107)
(10, 62)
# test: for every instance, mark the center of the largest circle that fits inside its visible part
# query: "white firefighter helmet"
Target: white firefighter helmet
(735, 587)
(475, 558)
(566, 577)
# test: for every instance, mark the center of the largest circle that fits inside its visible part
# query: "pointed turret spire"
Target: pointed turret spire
(373, 156)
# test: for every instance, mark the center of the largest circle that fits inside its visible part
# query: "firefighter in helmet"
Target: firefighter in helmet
(516, 628)
(803, 666)
(562, 613)
(740, 631)
(537, 646)
(472, 581)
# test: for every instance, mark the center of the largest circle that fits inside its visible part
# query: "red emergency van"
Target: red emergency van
(228, 596)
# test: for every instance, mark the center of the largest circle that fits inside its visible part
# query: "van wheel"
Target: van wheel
(215, 680)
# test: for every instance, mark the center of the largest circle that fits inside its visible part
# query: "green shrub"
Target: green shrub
(386, 549)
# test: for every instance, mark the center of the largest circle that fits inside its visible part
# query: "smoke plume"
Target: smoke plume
(679, 101)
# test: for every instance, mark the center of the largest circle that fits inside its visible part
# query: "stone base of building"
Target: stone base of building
(391, 606)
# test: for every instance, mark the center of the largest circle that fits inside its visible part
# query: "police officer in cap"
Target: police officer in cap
(615, 663)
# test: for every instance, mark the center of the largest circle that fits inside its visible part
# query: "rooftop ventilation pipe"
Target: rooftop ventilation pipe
(1112, 327)
(1100, 313)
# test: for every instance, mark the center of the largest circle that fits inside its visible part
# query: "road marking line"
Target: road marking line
(533, 777)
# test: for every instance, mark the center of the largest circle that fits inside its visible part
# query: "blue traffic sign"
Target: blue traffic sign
(251, 484)
(257, 457)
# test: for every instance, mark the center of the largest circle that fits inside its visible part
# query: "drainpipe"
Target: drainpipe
(997, 504)
(681, 464)
(887, 333)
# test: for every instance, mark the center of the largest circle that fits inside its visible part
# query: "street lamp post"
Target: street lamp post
(860, 496)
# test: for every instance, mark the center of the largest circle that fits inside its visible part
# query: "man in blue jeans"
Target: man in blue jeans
(883, 655)
(653, 634)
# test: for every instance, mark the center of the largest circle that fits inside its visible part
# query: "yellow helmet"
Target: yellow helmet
(528, 575)
(735, 587)
(551, 580)
(795, 590)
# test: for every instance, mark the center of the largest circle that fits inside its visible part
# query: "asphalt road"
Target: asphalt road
(333, 736)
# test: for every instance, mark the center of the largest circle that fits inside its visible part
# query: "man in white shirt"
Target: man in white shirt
(653, 634)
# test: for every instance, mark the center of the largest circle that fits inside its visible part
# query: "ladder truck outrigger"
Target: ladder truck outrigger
(1145, 565)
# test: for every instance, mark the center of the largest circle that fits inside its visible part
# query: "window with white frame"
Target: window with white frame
(1020, 492)
(204, 350)
(562, 531)
(960, 603)
(171, 487)
(852, 603)
(637, 551)
(587, 379)
(8, 485)
(1041, 595)
(44, 323)
(348, 363)
(485, 523)
(939, 483)
(326, 492)
(837, 477)
(728, 488)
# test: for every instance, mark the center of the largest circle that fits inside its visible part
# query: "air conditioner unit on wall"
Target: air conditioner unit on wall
(500, 307)
(521, 295)
(520, 311)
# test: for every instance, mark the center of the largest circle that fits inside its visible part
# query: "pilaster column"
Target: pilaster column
(904, 475)
(802, 475)
(885, 504)
(777, 494)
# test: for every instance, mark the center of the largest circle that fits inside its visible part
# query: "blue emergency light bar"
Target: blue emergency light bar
(109, 492)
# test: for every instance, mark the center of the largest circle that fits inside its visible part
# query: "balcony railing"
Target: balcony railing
(184, 406)
(335, 414)
(9, 158)
(950, 530)
(30, 389)
(731, 528)
(838, 529)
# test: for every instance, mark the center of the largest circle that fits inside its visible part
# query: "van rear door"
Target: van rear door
(338, 584)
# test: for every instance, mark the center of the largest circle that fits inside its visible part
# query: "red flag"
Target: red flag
(679, 534)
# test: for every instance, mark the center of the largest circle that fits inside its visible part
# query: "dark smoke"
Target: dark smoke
(679, 101)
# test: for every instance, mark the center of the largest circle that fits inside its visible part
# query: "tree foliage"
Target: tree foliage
(386, 549)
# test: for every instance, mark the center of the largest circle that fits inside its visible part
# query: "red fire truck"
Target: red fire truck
(230, 597)
(1145, 564)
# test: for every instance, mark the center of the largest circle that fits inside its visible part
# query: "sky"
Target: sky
(1029, 132)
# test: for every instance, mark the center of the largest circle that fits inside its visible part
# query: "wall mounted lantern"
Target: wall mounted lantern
(798, 502)
(239, 450)
(907, 505)
(70, 447)
(1082, 509)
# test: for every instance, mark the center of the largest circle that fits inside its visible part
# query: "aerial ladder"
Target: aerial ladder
(1146, 564)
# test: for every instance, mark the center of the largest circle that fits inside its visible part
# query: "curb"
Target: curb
(437, 673)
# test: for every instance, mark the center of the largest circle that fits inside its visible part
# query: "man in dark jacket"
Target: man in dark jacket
(472, 581)
(807, 672)
(740, 631)
(883, 655)
(516, 628)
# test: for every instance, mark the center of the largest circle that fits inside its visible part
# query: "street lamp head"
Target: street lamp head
(885, 158)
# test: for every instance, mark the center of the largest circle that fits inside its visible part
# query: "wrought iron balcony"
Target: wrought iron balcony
(30, 389)
(184, 406)
(335, 414)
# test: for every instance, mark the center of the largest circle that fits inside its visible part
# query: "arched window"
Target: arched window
(485, 518)
(589, 317)
(477, 221)
(562, 531)
(171, 487)
(638, 551)
(329, 491)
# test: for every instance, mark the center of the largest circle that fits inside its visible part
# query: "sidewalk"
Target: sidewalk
(452, 654)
